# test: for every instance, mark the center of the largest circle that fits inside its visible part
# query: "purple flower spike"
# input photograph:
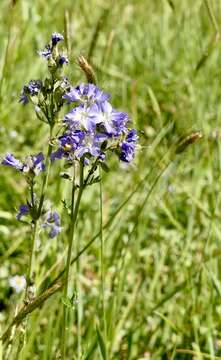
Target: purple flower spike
(103, 127)
(53, 223)
(55, 38)
(10, 160)
(23, 210)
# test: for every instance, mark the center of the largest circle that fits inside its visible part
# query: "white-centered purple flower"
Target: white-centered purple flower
(113, 121)
(18, 283)
(68, 143)
(52, 223)
(32, 164)
(81, 117)
(90, 144)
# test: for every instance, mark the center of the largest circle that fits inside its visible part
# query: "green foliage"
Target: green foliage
(161, 61)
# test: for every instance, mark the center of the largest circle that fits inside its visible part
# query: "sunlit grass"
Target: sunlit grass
(161, 61)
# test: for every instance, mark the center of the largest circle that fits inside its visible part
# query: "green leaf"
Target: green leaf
(101, 344)
(105, 167)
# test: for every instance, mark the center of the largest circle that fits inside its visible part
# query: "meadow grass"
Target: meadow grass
(160, 293)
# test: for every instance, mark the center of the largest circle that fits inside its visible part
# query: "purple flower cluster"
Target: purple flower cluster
(92, 122)
(33, 164)
(49, 52)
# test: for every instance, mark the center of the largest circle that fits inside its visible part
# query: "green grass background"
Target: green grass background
(161, 60)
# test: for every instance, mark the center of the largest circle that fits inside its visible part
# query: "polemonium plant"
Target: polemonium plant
(89, 133)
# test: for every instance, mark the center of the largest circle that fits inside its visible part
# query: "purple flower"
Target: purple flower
(53, 223)
(55, 38)
(34, 163)
(98, 123)
(23, 210)
(128, 146)
(62, 59)
(68, 144)
(81, 117)
(46, 52)
(32, 89)
(79, 143)
(90, 144)
(87, 94)
(132, 136)
(114, 122)
(10, 160)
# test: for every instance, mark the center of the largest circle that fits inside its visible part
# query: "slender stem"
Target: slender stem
(102, 265)
(31, 265)
(79, 307)
(46, 174)
(30, 273)
(73, 219)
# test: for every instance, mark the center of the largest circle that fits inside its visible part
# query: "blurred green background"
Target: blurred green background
(161, 62)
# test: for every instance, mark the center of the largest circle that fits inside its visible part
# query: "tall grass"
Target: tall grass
(156, 231)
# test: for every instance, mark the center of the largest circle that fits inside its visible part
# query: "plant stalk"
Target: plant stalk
(46, 174)
(73, 219)
(102, 266)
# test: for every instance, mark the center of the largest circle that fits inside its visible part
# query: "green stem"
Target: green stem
(79, 308)
(46, 174)
(102, 266)
(31, 258)
(73, 219)
(31, 265)
(30, 273)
